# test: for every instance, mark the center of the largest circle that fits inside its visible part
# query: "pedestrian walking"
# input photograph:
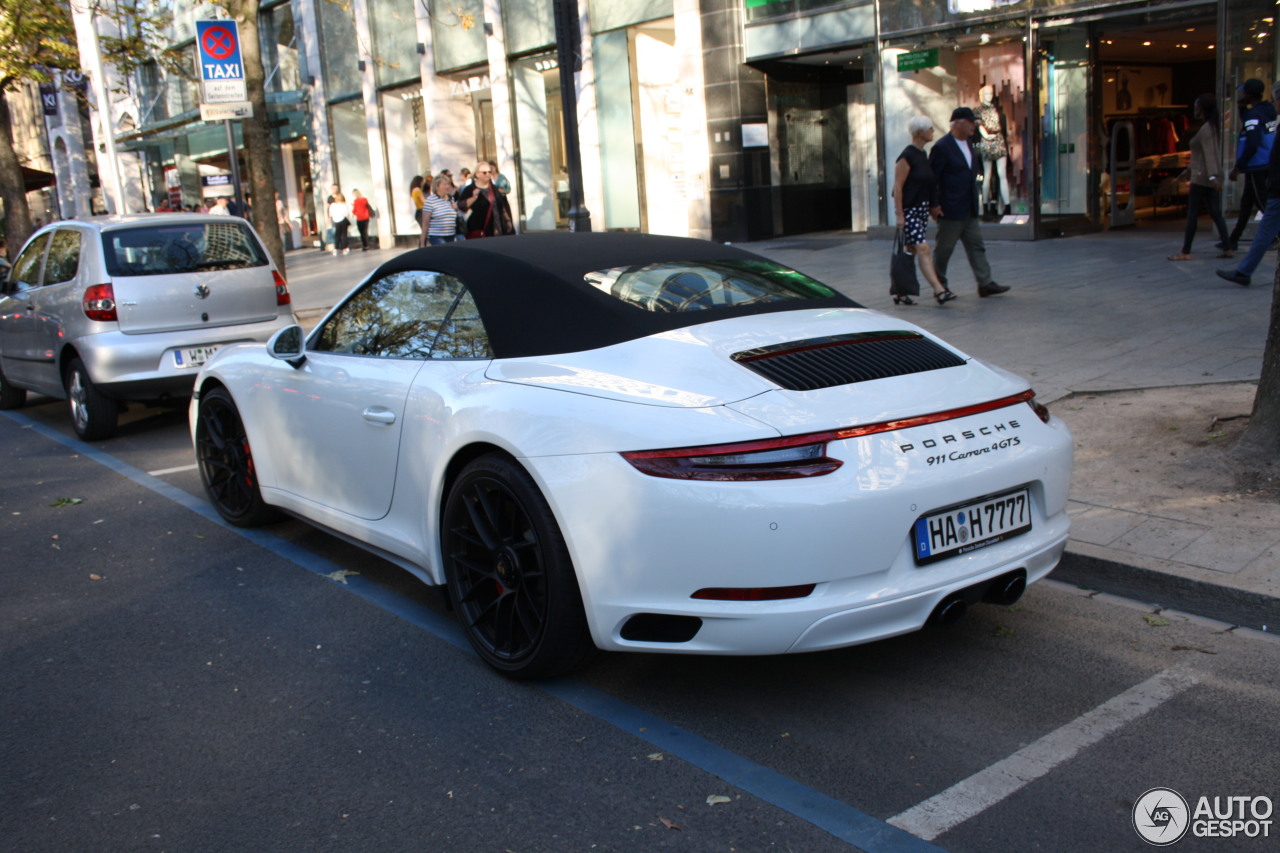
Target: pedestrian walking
(500, 182)
(488, 211)
(956, 206)
(1269, 227)
(913, 187)
(419, 197)
(440, 213)
(1205, 173)
(361, 212)
(221, 207)
(1253, 154)
(338, 213)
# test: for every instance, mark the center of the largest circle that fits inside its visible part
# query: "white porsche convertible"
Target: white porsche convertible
(642, 443)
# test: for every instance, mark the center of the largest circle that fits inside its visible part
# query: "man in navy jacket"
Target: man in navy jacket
(1253, 154)
(1269, 227)
(956, 206)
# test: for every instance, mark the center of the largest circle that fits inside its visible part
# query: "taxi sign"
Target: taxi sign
(221, 67)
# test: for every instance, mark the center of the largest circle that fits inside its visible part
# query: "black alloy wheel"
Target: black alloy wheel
(226, 462)
(509, 573)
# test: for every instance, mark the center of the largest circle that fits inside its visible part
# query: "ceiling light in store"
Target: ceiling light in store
(985, 38)
(1146, 44)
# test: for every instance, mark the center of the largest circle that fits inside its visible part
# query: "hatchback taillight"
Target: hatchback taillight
(100, 303)
(282, 289)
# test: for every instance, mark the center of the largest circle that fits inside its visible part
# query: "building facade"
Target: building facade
(731, 120)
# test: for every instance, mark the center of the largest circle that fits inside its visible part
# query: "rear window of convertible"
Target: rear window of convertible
(170, 249)
(693, 286)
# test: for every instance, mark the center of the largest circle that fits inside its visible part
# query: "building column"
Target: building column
(500, 91)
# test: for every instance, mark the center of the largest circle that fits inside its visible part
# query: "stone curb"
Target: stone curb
(1165, 591)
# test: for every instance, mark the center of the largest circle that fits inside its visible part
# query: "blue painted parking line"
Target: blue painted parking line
(840, 820)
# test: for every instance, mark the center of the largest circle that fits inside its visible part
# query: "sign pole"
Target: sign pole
(235, 168)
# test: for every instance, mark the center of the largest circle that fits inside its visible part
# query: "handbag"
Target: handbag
(902, 269)
(477, 233)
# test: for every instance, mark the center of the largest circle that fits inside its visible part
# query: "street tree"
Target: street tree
(257, 131)
(38, 38)
(1260, 442)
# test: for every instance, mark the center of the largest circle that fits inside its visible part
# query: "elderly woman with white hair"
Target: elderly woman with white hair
(912, 193)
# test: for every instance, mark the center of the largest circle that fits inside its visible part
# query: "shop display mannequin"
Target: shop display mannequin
(992, 147)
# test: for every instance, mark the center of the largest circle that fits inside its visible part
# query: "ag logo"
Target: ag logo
(1161, 816)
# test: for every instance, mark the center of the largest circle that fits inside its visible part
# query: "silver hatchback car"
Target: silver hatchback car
(116, 308)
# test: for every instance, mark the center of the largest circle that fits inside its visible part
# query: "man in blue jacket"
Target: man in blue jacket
(1269, 227)
(1253, 154)
(956, 167)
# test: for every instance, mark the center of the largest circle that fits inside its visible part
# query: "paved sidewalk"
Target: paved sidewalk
(1086, 314)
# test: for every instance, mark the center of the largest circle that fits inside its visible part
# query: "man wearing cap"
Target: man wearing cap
(1269, 227)
(1253, 153)
(955, 205)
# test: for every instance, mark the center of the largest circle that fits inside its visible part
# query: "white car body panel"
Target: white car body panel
(645, 544)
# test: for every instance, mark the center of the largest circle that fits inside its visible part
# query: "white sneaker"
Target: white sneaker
(333, 252)
(346, 251)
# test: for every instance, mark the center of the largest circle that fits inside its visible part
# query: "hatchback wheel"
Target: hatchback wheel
(93, 414)
(11, 397)
(509, 573)
(226, 462)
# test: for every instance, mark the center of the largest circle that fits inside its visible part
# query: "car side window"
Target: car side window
(26, 270)
(401, 315)
(64, 256)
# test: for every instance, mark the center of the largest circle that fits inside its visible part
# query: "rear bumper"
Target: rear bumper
(143, 367)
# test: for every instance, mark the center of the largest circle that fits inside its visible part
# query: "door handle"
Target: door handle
(385, 417)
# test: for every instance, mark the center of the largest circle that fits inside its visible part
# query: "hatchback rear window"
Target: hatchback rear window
(169, 249)
(685, 286)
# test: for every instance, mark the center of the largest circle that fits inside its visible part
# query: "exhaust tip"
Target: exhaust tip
(1006, 589)
(949, 612)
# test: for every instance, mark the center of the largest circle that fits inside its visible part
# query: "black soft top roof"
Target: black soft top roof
(534, 301)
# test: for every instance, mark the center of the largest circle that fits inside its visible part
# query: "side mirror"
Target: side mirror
(287, 344)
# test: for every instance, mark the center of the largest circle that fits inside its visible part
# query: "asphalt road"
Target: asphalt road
(174, 684)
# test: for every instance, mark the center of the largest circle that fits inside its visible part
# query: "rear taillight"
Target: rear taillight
(100, 303)
(770, 459)
(793, 456)
(282, 289)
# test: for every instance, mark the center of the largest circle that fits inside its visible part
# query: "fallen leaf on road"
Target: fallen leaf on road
(656, 756)
(95, 577)
(67, 502)
(668, 824)
(716, 799)
(340, 575)
(1155, 621)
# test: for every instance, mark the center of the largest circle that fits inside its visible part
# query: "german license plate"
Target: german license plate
(193, 357)
(967, 528)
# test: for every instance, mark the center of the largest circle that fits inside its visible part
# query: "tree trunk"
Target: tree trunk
(1261, 439)
(257, 132)
(13, 189)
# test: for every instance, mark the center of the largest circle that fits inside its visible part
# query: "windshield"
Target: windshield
(184, 248)
(693, 286)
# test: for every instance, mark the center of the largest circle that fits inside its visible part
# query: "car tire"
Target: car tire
(11, 397)
(509, 574)
(93, 414)
(226, 462)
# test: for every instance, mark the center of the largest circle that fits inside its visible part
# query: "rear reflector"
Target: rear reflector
(764, 593)
(282, 289)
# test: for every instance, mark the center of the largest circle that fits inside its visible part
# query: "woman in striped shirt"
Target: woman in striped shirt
(440, 212)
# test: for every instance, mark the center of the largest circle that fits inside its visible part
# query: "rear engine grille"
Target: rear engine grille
(845, 359)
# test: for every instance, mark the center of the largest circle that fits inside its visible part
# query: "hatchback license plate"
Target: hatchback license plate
(967, 528)
(193, 357)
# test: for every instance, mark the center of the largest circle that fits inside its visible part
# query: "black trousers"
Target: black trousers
(340, 234)
(1207, 200)
(362, 225)
(1254, 198)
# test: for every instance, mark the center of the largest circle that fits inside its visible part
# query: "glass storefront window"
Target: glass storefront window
(1250, 51)
(535, 85)
(405, 131)
(457, 34)
(617, 131)
(761, 9)
(338, 50)
(395, 40)
(351, 148)
(279, 49)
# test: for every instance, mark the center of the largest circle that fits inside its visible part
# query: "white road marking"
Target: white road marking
(972, 796)
(177, 470)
